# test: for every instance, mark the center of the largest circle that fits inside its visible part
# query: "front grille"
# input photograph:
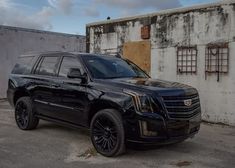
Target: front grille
(177, 109)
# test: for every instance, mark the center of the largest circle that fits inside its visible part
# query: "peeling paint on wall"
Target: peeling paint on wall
(194, 26)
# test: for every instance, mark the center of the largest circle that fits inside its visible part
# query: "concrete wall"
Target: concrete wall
(17, 41)
(198, 26)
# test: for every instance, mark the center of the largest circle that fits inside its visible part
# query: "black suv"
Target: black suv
(111, 96)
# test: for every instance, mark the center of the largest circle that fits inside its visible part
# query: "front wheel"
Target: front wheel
(107, 133)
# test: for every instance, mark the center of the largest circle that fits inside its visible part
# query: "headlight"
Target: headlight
(142, 102)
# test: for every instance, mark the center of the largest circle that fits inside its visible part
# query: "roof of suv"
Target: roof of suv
(59, 52)
(48, 52)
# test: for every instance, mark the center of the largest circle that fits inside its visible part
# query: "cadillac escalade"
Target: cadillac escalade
(112, 97)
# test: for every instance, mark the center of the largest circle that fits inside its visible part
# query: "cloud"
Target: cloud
(140, 4)
(4, 3)
(92, 8)
(133, 7)
(91, 12)
(65, 6)
(44, 17)
(12, 15)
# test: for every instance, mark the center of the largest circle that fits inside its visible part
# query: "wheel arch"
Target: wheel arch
(20, 93)
(101, 104)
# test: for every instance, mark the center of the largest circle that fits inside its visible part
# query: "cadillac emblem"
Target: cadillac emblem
(188, 102)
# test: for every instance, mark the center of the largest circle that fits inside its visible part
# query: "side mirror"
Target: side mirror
(76, 73)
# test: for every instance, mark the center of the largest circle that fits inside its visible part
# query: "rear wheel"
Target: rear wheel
(107, 133)
(24, 115)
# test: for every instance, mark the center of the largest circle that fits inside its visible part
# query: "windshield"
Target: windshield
(105, 67)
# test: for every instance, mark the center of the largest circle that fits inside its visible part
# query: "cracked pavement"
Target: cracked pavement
(51, 146)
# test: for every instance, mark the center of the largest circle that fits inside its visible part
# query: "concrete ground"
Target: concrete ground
(51, 145)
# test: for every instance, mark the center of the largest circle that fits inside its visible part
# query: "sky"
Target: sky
(71, 16)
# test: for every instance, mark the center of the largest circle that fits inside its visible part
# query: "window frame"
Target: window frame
(40, 61)
(187, 55)
(216, 65)
(20, 63)
(219, 56)
(61, 61)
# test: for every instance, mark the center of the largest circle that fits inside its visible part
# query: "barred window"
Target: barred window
(186, 60)
(217, 59)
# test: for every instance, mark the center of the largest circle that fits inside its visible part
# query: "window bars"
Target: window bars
(217, 59)
(187, 60)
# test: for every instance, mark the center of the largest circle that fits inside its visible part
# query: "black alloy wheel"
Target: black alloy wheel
(107, 133)
(24, 116)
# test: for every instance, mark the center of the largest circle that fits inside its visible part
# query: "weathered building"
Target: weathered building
(15, 41)
(194, 45)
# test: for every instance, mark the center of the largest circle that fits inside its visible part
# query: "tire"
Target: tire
(107, 133)
(24, 115)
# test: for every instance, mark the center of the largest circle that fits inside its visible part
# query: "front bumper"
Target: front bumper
(162, 131)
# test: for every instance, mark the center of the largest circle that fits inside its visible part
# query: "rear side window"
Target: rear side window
(48, 66)
(67, 63)
(23, 66)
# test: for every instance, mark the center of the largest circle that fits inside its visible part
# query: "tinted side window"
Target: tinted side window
(69, 62)
(23, 66)
(48, 66)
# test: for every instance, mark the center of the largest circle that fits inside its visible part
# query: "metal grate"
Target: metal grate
(177, 109)
(217, 59)
(186, 60)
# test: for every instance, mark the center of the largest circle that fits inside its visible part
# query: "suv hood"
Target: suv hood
(160, 87)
